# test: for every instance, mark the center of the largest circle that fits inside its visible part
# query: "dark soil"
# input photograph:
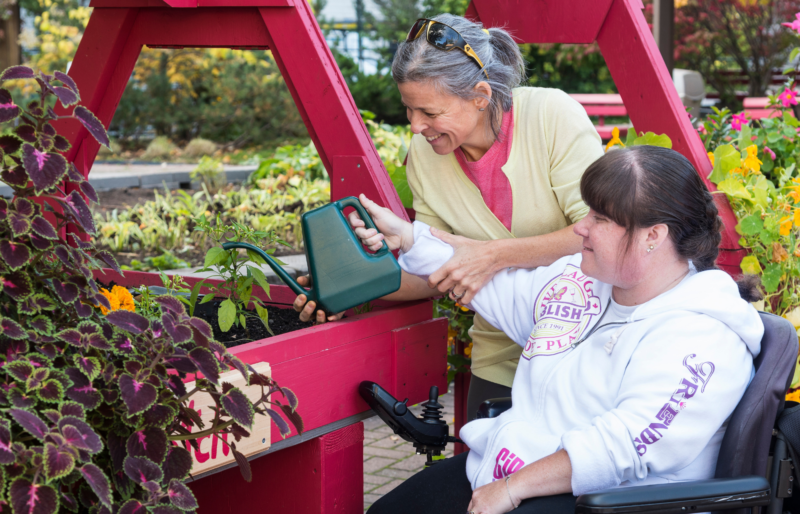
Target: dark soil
(280, 321)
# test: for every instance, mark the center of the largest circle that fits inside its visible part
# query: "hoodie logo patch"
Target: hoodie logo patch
(564, 308)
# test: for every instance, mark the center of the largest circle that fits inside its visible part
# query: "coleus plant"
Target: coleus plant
(94, 413)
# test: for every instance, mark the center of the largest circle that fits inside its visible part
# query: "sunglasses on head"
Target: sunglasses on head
(443, 37)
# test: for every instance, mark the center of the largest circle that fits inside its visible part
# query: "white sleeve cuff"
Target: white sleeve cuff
(592, 467)
(427, 254)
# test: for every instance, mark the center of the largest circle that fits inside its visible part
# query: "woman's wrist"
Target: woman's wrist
(407, 237)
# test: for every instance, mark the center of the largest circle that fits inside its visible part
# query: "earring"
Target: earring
(651, 249)
(482, 109)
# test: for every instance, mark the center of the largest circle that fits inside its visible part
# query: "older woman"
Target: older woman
(635, 351)
(496, 165)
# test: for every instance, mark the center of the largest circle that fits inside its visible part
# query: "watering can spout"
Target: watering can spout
(345, 275)
(287, 279)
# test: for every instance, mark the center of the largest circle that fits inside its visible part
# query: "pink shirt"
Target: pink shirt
(487, 174)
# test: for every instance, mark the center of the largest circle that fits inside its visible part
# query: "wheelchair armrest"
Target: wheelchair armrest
(679, 498)
(493, 407)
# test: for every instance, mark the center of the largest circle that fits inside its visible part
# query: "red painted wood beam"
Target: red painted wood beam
(543, 21)
(653, 104)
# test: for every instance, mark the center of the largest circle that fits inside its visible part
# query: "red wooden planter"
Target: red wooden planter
(398, 346)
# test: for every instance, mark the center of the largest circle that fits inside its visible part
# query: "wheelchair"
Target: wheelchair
(755, 467)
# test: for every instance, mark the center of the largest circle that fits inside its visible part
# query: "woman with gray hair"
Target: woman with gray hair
(494, 168)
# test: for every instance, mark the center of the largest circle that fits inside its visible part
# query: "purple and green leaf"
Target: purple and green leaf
(57, 463)
(138, 396)
(141, 470)
(29, 498)
(150, 442)
(30, 422)
(99, 483)
(92, 124)
(239, 407)
(43, 228)
(128, 321)
(45, 169)
(180, 496)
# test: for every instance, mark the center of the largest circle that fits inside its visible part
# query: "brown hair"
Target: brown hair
(643, 186)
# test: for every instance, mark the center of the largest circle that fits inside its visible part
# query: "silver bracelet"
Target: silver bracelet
(509, 493)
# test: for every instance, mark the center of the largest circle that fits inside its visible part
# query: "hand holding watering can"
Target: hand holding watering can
(369, 237)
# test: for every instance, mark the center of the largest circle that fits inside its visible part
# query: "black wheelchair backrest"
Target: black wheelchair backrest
(745, 447)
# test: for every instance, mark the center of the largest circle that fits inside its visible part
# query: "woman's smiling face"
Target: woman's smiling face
(446, 121)
(605, 252)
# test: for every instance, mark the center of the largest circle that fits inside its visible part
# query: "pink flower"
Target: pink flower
(767, 150)
(795, 25)
(788, 97)
(737, 120)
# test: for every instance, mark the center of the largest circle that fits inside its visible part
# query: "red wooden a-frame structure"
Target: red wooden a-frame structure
(323, 474)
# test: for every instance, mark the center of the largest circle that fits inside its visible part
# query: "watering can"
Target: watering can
(344, 274)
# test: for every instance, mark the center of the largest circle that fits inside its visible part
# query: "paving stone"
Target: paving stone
(387, 442)
(396, 473)
(411, 463)
(388, 487)
(375, 479)
(369, 499)
(371, 436)
(373, 423)
(384, 452)
(376, 463)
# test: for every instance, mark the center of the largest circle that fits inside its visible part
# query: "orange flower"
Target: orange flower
(794, 191)
(119, 298)
(797, 217)
(615, 140)
(125, 298)
(786, 225)
(711, 158)
(112, 299)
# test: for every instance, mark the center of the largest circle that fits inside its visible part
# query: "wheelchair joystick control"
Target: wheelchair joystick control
(433, 409)
(400, 408)
(429, 433)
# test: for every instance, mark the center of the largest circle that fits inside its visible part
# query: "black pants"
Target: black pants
(444, 489)
(481, 390)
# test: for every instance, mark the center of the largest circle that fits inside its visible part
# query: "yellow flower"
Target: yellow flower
(125, 298)
(468, 350)
(786, 225)
(794, 191)
(119, 298)
(112, 299)
(794, 396)
(711, 157)
(615, 140)
(797, 217)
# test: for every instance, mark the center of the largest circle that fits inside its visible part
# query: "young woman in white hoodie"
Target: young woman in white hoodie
(635, 351)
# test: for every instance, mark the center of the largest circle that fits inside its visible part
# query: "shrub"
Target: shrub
(199, 147)
(92, 393)
(113, 148)
(210, 173)
(159, 148)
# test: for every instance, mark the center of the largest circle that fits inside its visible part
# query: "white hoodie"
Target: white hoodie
(642, 401)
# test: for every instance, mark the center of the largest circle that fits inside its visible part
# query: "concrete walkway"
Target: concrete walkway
(105, 177)
(389, 460)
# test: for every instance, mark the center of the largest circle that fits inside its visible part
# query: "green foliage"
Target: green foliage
(165, 261)
(572, 68)
(199, 147)
(210, 173)
(375, 92)
(295, 162)
(227, 96)
(90, 395)
(160, 148)
(238, 278)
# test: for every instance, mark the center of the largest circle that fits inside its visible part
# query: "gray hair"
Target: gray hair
(456, 73)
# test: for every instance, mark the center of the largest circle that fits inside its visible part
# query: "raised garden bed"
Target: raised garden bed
(396, 345)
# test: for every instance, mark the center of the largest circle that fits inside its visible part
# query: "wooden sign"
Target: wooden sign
(213, 453)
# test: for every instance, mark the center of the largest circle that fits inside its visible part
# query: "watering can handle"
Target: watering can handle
(352, 201)
(287, 279)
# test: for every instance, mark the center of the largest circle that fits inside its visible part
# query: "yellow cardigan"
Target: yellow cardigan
(553, 143)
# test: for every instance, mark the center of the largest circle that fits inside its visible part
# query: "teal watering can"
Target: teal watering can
(344, 274)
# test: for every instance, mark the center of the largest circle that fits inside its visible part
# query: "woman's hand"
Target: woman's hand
(397, 232)
(306, 308)
(491, 499)
(467, 271)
